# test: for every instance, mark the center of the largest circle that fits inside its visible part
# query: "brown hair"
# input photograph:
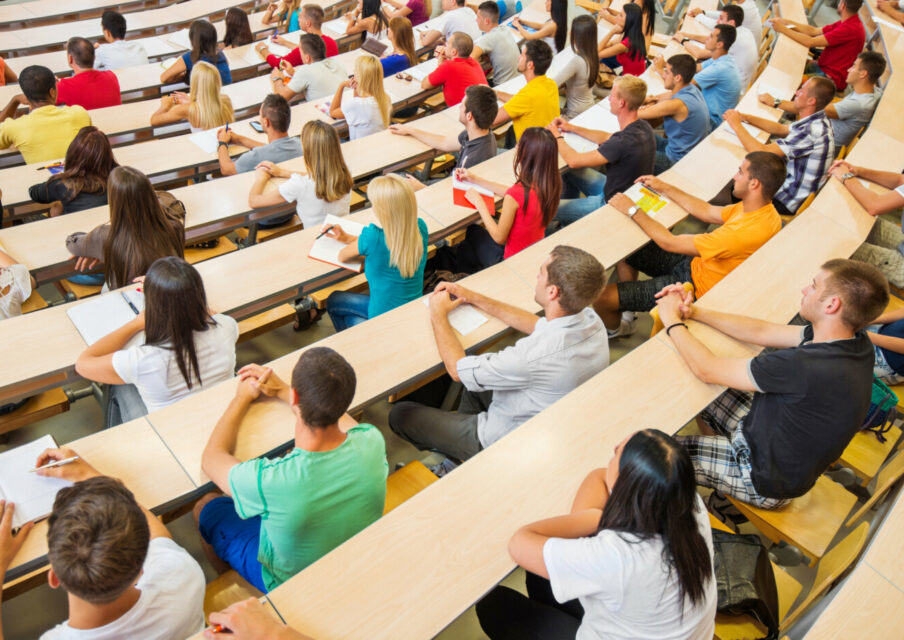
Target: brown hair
(577, 274)
(314, 13)
(874, 64)
(325, 162)
(203, 38)
(325, 384)
(97, 539)
(462, 43)
(769, 169)
(404, 38)
(537, 170)
(862, 288)
(89, 161)
(238, 31)
(822, 90)
(82, 52)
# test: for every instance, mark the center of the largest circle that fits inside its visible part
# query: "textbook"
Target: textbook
(32, 494)
(102, 315)
(652, 202)
(460, 188)
(326, 249)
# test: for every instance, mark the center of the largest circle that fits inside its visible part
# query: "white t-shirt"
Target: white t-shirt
(119, 54)
(752, 20)
(171, 604)
(462, 19)
(746, 56)
(15, 287)
(155, 372)
(502, 51)
(301, 190)
(626, 590)
(318, 80)
(362, 115)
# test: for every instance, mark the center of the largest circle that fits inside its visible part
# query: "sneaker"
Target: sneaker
(444, 467)
(625, 329)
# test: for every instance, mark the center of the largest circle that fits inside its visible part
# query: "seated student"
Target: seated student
(83, 182)
(630, 51)
(648, 12)
(807, 143)
(787, 414)
(367, 18)
(122, 572)
(205, 107)
(367, 108)
(46, 131)
(238, 30)
(537, 103)
(275, 117)
(456, 17)
(87, 87)
(495, 43)
(701, 259)
(203, 38)
(752, 20)
(744, 50)
(402, 56)
(416, 11)
(627, 153)
(285, 15)
(554, 31)
(311, 17)
(7, 75)
(394, 255)
(887, 335)
(116, 52)
(580, 72)
(632, 559)
(718, 77)
(278, 516)
(316, 79)
(891, 8)
(854, 111)
(16, 285)
(456, 71)
(251, 620)
(842, 41)
(504, 389)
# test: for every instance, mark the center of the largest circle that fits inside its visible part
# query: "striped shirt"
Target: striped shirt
(809, 148)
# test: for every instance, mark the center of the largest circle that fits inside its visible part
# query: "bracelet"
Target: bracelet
(560, 137)
(683, 40)
(672, 326)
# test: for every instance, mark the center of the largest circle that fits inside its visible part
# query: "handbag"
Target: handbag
(883, 410)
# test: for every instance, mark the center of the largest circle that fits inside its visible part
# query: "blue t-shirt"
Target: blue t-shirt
(388, 289)
(684, 136)
(394, 64)
(721, 85)
(293, 22)
(220, 62)
(895, 360)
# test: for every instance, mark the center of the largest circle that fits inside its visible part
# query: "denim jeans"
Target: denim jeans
(87, 278)
(662, 161)
(588, 181)
(347, 309)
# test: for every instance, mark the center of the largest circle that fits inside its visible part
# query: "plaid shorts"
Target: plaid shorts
(722, 462)
(664, 268)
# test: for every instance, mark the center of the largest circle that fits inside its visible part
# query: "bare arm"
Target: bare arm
(175, 71)
(769, 126)
(890, 9)
(733, 118)
(169, 112)
(526, 546)
(874, 203)
(518, 319)
(447, 144)
(658, 233)
(662, 109)
(698, 208)
(218, 459)
(887, 342)
(257, 198)
(450, 349)
(804, 34)
(96, 362)
(336, 104)
(9, 111)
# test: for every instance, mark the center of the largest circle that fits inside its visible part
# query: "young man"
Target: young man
(537, 103)
(787, 414)
(627, 153)
(473, 145)
(842, 41)
(752, 20)
(685, 116)
(744, 50)
(456, 71)
(718, 77)
(310, 18)
(457, 17)
(275, 116)
(316, 78)
(45, 133)
(496, 43)
(854, 111)
(283, 514)
(701, 259)
(87, 87)
(116, 52)
(504, 389)
(119, 566)
(808, 143)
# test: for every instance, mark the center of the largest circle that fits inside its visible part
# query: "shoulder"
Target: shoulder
(227, 324)
(516, 191)
(422, 227)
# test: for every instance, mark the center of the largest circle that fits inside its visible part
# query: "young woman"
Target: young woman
(579, 74)
(554, 31)
(7, 75)
(403, 55)
(394, 255)
(368, 108)
(635, 551)
(205, 107)
(417, 11)
(203, 38)
(887, 335)
(184, 347)
(238, 31)
(625, 46)
(648, 9)
(83, 182)
(367, 18)
(284, 15)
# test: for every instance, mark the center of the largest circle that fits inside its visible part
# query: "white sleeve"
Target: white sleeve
(126, 363)
(585, 566)
(485, 42)
(708, 19)
(290, 190)
(22, 281)
(299, 81)
(229, 324)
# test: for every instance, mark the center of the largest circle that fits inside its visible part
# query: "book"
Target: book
(100, 316)
(652, 202)
(374, 46)
(206, 140)
(326, 249)
(464, 318)
(460, 188)
(32, 494)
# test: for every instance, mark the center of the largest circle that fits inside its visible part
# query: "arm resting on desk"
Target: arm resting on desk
(526, 546)
(96, 362)
(518, 319)
(798, 35)
(218, 459)
(450, 349)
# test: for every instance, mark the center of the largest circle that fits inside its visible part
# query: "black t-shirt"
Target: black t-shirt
(53, 190)
(475, 151)
(630, 153)
(813, 399)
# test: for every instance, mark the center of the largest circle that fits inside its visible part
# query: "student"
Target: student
(891, 8)
(744, 50)
(205, 107)
(316, 79)
(394, 255)
(367, 108)
(807, 143)
(238, 30)
(16, 285)
(627, 153)
(632, 559)
(752, 20)
(251, 620)
(416, 11)
(121, 570)
(456, 71)
(629, 53)
(7, 75)
(685, 116)
(116, 52)
(648, 12)
(554, 31)
(311, 19)
(278, 516)
(495, 43)
(203, 38)
(87, 87)
(368, 17)
(853, 112)
(285, 15)
(505, 389)
(456, 17)
(787, 414)
(537, 103)
(403, 55)
(275, 117)
(887, 335)
(701, 259)
(842, 41)
(580, 72)
(83, 182)
(47, 130)
(718, 77)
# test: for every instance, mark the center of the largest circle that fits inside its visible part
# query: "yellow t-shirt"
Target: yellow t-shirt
(45, 133)
(726, 247)
(536, 105)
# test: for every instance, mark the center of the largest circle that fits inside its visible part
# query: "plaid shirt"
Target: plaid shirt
(809, 148)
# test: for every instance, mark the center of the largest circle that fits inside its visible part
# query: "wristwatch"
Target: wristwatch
(683, 40)
(776, 102)
(847, 176)
(633, 211)
(222, 144)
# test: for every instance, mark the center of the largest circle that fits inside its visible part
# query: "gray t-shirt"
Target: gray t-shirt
(475, 151)
(854, 112)
(502, 51)
(277, 151)
(318, 80)
(578, 94)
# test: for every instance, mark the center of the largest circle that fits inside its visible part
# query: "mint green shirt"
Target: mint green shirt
(311, 502)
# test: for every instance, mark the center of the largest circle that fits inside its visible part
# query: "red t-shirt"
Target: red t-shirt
(2, 72)
(90, 89)
(454, 76)
(294, 56)
(631, 66)
(528, 226)
(846, 39)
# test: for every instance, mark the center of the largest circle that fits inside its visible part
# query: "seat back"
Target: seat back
(889, 474)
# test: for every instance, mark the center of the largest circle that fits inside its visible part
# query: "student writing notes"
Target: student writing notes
(367, 107)
(275, 117)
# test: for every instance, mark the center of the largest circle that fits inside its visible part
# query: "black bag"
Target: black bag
(883, 410)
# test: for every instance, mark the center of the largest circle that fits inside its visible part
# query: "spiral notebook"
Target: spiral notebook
(104, 314)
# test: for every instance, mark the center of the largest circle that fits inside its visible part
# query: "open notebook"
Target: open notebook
(460, 190)
(102, 315)
(32, 494)
(327, 249)
(650, 201)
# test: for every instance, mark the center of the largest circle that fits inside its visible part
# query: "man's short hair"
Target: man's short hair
(481, 102)
(853, 6)
(490, 10)
(540, 54)
(726, 34)
(822, 90)
(734, 13)
(325, 384)
(462, 43)
(313, 45)
(82, 52)
(632, 90)
(769, 169)
(874, 64)
(684, 66)
(276, 109)
(115, 23)
(862, 288)
(314, 13)
(36, 82)
(460, 3)
(97, 539)
(577, 274)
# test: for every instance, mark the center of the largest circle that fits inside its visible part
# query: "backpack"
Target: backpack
(883, 410)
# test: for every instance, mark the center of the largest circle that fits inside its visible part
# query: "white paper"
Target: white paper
(277, 49)
(638, 197)
(599, 118)
(100, 316)
(464, 185)
(32, 494)
(421, 71)
(463, 318)
(180, 39)
(338, 26)
(205, 140)
(252, 57)
(166, 64)
(327, 249)
(728, 133)
(764, 87)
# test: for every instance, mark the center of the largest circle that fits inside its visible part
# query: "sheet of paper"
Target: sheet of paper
(463, 318)
(424, 69)
(205, 140)
(166, 64)
(104, 314)
(327, 249)
(32, 494)
(763, 87)
(180, 39)
(277, 49)
(598, 117)
(728, 133)
(252, 57)
(338, 26)
(464, 185)
(647, 199)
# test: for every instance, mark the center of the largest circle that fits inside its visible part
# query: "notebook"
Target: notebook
(327, 249)
(650, 201)
(32, 494)
(424, 69)
(464, 318)
(460, 188)
(102, 315)
(374, 46)
(206, 140)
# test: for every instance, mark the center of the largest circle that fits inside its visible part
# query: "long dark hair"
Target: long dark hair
(176, 307)
(655, 495)
(637, 44)
(238, 31)
(537, 169)
(558, 11)
(373, 8)
(648, 10)
(584, 44)
(89, 161)
(203, 38)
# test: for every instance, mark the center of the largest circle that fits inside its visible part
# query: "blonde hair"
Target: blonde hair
(632, 90)
(324, 161)
(369, 74)
(396, 209)
(208, 108)
(291, 7)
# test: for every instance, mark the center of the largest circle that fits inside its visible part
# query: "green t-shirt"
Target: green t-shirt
(311, 502)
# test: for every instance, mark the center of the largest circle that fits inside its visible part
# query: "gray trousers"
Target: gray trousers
(124, 403)
(451, 433)
(883, 249)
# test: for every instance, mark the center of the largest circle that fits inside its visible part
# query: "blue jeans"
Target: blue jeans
(87, 278)
(347, 309)
(662, 161)
(588, 181)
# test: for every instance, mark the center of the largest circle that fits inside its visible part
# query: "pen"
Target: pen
(325, 231)
(55, 463)
(129, 302)
(218, 628)
(51, 166)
